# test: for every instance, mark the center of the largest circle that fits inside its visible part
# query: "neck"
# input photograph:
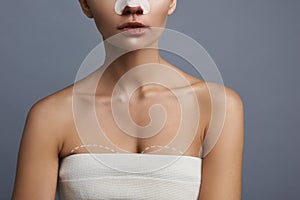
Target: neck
(130, 61)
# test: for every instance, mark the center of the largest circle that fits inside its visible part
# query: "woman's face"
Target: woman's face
(108, 21)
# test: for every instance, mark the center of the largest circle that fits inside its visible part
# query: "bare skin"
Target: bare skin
(50, 133)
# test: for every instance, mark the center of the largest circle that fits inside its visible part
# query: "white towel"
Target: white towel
(129, 176)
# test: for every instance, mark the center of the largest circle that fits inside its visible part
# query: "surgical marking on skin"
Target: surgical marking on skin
(112, 150)
(94, 145)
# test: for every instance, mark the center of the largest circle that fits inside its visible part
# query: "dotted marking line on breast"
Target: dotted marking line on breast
(92, 145)
(112, 150)
(167, 147)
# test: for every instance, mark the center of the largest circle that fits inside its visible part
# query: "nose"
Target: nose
(132, 10)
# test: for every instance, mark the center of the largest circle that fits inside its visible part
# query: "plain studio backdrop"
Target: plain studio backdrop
(255, 44)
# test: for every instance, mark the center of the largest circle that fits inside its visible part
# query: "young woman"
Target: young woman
(52, 154)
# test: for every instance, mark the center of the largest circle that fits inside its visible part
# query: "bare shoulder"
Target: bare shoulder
(217, 94)
(217, 100)
(53, 112)
(232, 96)
(207, 87)
(234, 106)
(228, 103)
(223, 146)
(56, 100)
(53, 107)
(41, 142)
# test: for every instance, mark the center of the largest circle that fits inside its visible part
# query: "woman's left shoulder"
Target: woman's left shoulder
(212, 89)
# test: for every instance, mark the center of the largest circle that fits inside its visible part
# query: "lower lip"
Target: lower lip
(135, 31)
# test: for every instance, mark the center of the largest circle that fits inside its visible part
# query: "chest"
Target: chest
(169, 125)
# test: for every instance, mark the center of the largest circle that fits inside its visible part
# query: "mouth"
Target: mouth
(133, 28)
(132, 25)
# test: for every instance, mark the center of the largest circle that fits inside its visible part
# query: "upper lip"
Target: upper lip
(132, 24)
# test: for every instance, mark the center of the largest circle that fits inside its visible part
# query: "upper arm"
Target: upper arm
(222, 166)
(37, 165)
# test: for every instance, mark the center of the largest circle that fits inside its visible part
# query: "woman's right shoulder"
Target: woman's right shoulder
(40, 145)
(55, 103)
(53, 111)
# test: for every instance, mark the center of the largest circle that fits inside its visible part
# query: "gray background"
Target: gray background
(255, 44)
